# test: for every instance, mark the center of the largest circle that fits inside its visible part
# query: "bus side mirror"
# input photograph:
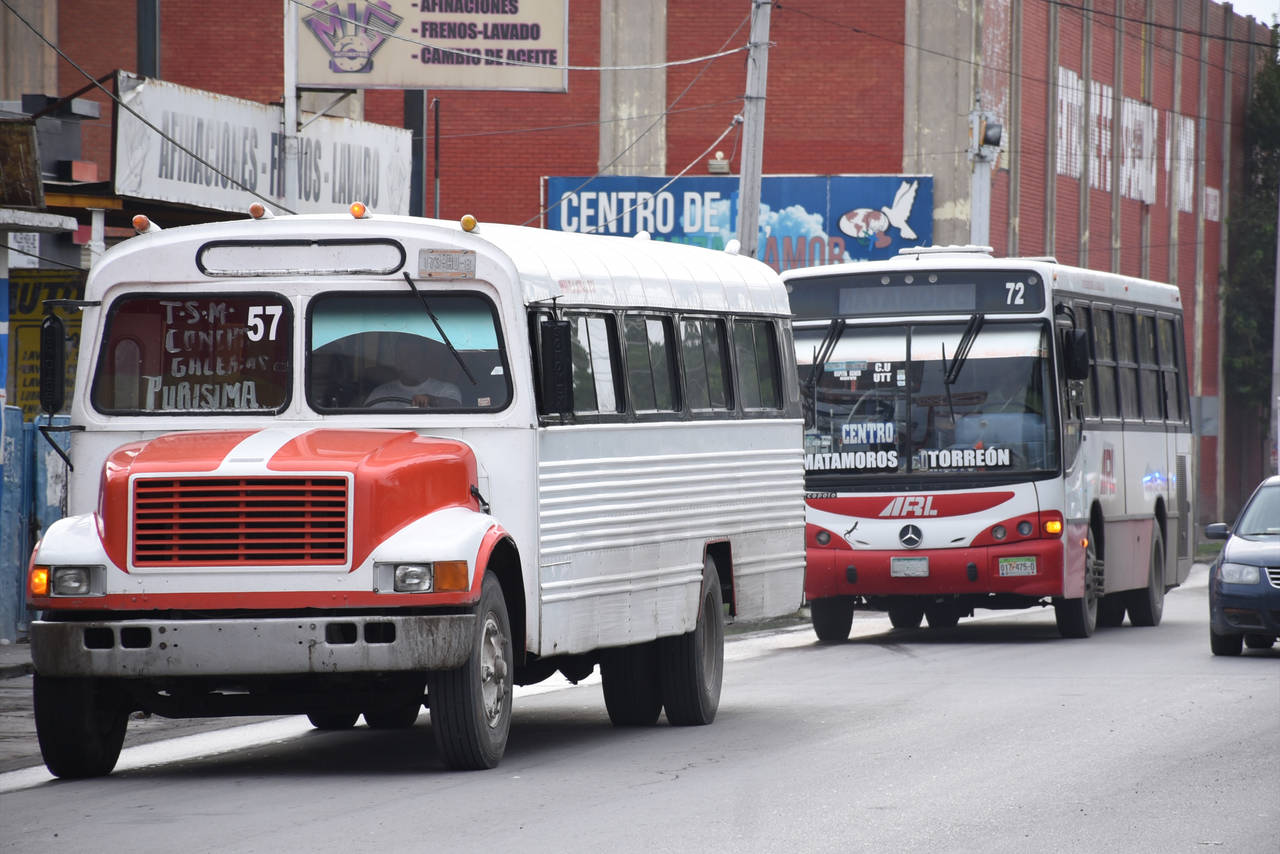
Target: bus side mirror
(557, 367)
(1077, 354)
(53, 364)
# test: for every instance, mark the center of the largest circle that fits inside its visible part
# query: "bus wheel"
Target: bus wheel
(903, 617)
(632, 689)
(1259, 641)
(394, 716)
(1111, 611)
(333, 720)
(471, 705)
(1146, 607)
(1228, 644)
(80, 723)
(691, 666)
(1077, 618)
(832, 618)
(942, 615)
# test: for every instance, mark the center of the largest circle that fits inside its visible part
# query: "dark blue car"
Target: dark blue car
(1244, 581)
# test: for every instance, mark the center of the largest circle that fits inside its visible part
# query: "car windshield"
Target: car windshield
(881, 403)
(195, 354)
(1261, 517)
(385, 352)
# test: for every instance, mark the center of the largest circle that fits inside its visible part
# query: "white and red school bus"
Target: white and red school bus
(334, 464)
(991, 433)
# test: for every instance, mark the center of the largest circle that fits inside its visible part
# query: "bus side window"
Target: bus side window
(757, 355)
(1168, 355)
(1149, 386)
(1105, 362)
(703, 342)
(595, 364)
(651, 363)
(1127, 364)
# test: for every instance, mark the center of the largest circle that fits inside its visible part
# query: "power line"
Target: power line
(373, 26)
(120, 103)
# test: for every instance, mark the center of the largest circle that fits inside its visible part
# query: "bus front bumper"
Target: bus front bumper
(146, 648)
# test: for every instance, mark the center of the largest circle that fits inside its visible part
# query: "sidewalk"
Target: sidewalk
(15, 660)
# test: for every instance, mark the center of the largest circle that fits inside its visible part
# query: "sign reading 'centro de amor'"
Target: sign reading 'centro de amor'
(434, 44)
(224, 153)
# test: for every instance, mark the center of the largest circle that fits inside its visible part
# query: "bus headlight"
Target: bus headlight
(413, 578)
(72, 581)
(1239, 573)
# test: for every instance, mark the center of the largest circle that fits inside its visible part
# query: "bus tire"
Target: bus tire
(904, 616)
(80, 724)
(632, 688)
(1259, 641)
(400, 716)
(832, 618)
(329, 721)
(471, 705)
(1111, 611)
(691, 665)
(1146, 606)
(1228, 644)
(1077, 618)
(942, 615)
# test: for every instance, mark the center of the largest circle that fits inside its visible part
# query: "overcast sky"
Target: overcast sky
(1264, 10)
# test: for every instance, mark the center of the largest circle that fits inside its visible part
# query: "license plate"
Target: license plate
(1017, 566)
(909, 567)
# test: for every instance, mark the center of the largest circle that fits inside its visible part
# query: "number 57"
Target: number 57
(256, 324)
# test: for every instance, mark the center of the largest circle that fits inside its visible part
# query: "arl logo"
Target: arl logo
(909, 505)
(352, 38)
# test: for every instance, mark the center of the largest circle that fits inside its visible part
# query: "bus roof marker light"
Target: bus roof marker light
(258, 210)
(143, 224)
(358, 210)
(468, 223)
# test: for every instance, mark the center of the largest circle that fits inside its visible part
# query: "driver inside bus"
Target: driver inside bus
(413, 386)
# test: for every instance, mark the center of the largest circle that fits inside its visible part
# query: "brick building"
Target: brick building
(1122, 146)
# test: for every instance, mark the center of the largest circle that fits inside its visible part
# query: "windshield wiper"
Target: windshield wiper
(431, 314)
(825, 348)
(962, 349)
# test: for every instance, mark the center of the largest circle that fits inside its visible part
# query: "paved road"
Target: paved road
(994, 736)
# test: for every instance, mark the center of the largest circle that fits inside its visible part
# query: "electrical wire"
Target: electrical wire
(120, 102)
(373, 26)
(54, 261)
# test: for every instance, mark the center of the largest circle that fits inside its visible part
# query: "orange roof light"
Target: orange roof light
(358, 210)
(468, 222)
(258, 210)
(143, 224)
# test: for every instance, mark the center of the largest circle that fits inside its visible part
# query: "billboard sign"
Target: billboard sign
(434, 44)
(339, 160)
(804, 219)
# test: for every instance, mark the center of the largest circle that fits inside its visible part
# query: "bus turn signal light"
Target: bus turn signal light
(451, 575)
(38, 581)
(1053, 527)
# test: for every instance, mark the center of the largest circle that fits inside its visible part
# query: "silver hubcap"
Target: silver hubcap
(493, 671)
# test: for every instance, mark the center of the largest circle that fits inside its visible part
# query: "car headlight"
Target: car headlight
(1239, 573)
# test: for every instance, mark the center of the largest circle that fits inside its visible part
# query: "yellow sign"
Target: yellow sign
(27, 291)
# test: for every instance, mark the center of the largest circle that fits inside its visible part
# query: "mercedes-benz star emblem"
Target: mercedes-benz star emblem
(910, 536)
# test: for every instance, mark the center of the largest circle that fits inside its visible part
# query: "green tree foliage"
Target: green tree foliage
(1248, 288)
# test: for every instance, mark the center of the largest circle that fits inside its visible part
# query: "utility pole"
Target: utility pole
(753, 128)
(985, 137)
(290, 124)
(1274, 438)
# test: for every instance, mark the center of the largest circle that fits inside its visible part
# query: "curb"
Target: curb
(13, 671)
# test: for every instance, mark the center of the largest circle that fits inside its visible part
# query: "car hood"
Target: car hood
(1256, 551)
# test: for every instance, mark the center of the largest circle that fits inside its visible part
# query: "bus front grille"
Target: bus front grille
(234, 521)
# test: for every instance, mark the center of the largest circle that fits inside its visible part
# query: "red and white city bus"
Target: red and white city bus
(991, 433)
(333, 464)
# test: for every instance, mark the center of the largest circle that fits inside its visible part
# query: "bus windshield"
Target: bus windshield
(910, 399)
